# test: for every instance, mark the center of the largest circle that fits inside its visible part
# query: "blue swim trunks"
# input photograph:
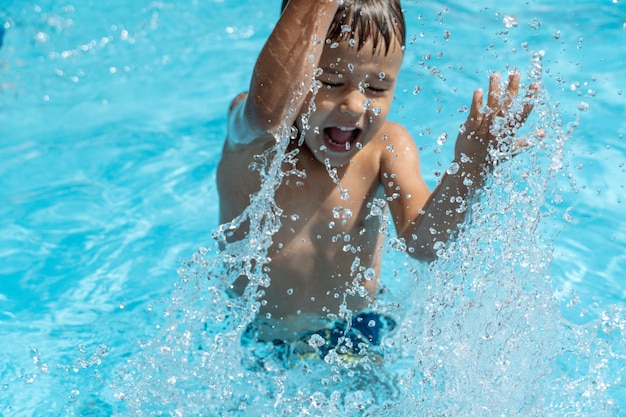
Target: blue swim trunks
(356, 340)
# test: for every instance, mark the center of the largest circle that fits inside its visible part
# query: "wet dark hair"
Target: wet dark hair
(378, 20)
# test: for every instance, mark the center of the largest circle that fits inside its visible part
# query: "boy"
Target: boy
(325, 258)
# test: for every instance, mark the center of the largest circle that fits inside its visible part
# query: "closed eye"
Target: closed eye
(378, 90)
(331, 84)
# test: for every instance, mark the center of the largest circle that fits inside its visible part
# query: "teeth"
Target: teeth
(345, 129)
(346, 145)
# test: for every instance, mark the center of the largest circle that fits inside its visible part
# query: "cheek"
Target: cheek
(379, 115)
(323, 105)
(325, 98)
(307, 113)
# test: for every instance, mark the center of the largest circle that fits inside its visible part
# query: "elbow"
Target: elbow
(425, 250)
(425, 254)
(261, 118)
(419, 248)
(248, 120)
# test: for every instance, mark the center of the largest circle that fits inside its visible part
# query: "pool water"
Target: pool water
(112, 117)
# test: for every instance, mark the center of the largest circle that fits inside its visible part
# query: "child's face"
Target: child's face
(353, 101)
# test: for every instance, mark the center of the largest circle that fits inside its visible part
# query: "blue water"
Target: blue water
(112, 118)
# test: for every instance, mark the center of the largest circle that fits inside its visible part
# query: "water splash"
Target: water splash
(481, 332)
(494, 340)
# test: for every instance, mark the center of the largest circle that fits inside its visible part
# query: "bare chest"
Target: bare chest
(324, 219)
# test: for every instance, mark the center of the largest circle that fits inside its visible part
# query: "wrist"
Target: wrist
(475, 163)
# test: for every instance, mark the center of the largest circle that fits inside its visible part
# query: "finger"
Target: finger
(526, 141)
(475, 116)
(540, 132)
(512, 90)
(493, 97)
(513, 85)
(477, 104)
(519, 147)
(532, 93)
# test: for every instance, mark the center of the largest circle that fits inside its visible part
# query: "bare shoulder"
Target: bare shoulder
(401, 177)
(396, 129)
(397, 133)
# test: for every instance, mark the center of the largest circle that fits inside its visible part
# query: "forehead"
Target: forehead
(343, 57)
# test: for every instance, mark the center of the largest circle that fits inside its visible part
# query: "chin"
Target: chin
(334, 160)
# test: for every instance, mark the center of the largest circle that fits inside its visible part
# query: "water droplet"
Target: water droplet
(316, 341)
(510, 21)
(556, 34)
(535, 23)
(73, 395)
(567, 215)
(290, 291)
(369, 274)
(375, 211)
(453, 168)
(42, 37)
(583, 106)
(398, 244)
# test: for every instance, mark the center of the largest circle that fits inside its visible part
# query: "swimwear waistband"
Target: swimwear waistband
(356, 339)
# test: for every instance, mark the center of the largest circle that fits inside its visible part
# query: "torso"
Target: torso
(322, 235)
(325, 241)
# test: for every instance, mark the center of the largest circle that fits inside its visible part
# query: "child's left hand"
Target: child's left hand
(502, 118)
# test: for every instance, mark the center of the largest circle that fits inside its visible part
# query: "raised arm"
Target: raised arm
(446, 208)
(284, 69)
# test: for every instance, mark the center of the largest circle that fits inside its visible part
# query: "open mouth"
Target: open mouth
(341, 139)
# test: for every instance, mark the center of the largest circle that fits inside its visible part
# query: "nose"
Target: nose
(353, 103)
